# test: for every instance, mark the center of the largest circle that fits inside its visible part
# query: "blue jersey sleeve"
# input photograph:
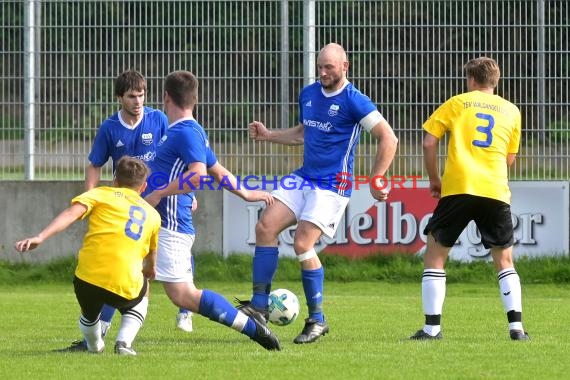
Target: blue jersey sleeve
(360, 105)
(101, 149)
(211, 158)
(192, 147)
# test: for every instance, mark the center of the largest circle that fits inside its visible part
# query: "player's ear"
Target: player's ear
(143, 187)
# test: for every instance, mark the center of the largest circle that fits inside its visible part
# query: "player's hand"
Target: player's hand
(435, 187)
(194, 204)
(149, 272)
(28, 244)
(258, 131)
(258, 195)
(379, 194)
(153, 198)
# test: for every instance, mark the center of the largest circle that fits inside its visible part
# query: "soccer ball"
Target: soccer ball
(283, 307)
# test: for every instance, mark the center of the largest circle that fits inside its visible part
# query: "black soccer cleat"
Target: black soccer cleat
(519, 335)
(265, 337)
(260, 315)
(76, 346)
(422, 335)
(312, 331)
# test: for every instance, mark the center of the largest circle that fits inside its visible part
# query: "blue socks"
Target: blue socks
(265, 261)
(107, 313)
(216, 308)
(313, 286)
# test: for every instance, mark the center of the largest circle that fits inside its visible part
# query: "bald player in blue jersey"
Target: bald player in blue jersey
(184, 158)
(332, 113)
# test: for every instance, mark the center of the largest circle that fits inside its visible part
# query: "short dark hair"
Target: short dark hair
(129, 80)
(131, 172)
(182, 87)
(484, 70)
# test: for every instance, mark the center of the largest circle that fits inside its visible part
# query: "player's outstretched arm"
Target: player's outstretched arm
(223, 176)
(58, 224)
(386, 150)
(289, 136)
(187, 182)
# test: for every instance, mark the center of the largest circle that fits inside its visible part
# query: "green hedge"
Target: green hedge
(397, 269)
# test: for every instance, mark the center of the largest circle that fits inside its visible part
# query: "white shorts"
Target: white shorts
(321, 207)
(174, 256)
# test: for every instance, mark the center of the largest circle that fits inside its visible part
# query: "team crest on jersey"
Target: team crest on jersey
(333, 110)
(147, 138)
(162, 140)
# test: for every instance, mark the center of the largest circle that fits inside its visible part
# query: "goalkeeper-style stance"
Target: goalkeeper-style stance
(122, 232)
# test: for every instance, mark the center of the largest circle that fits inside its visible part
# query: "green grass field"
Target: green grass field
(370, 323)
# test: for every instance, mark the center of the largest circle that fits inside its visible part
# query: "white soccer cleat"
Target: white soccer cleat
(184, 322)
(121, 348)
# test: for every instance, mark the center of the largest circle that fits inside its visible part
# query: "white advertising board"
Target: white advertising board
(540, 214)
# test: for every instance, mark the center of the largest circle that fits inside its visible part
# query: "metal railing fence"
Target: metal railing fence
(59, 58)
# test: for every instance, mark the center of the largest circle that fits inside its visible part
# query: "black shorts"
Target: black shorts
(454, 212)
(91, 299)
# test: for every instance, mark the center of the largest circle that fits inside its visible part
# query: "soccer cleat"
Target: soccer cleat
(105, 327)
(251, 311)
(422, 335)
(76, 346)
(519, 335)
(265, 337)
(79, 346)
(312, 331)
(122, 349)
(184, 322)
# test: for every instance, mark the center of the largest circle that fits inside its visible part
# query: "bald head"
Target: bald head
(332, 65)
(334, 52)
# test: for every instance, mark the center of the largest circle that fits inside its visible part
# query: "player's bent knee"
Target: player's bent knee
(307, 255)
(265, 231)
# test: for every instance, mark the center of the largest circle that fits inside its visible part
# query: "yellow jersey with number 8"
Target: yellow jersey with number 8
(122, 229)
(483, 128)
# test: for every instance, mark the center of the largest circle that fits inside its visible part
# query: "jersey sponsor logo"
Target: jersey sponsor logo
(147, 138)
(333, 110)
(148, 156)
(308, 104)
(119, 144)
(325, 127)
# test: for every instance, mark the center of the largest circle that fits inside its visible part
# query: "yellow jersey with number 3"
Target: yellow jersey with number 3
(483, 128)
(122, 229)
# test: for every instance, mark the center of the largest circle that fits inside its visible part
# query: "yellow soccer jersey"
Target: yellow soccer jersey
(122, 228)
(483, 128)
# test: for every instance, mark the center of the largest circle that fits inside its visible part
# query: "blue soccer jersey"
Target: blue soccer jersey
(332, 125)
(185, 142)
(116, 139)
